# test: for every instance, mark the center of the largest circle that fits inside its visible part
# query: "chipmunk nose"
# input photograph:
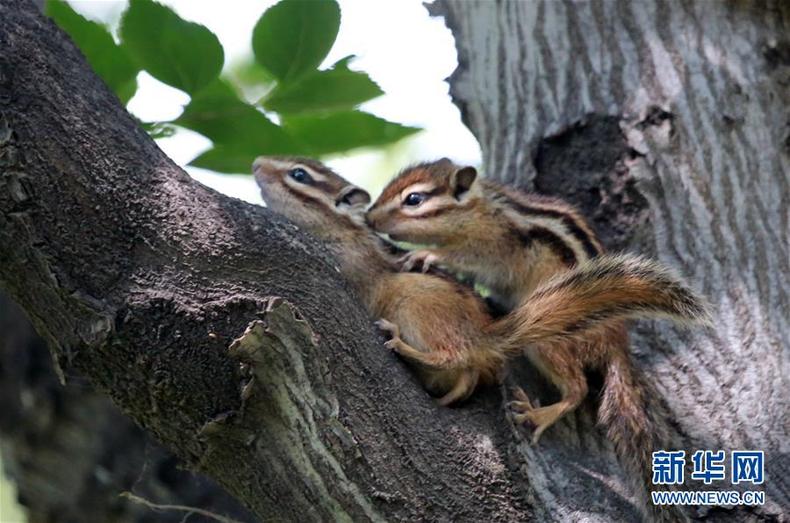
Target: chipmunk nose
(258, 163)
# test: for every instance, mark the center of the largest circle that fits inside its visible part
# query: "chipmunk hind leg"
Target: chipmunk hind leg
(463, 388)
(567, 374)
(436, 359)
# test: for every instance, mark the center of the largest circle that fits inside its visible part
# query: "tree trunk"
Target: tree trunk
(668, 124)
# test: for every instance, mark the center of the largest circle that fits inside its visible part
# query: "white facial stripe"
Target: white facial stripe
(417, 187)
(287, 166)
(315, 174)
(278, 164)
(304, 188)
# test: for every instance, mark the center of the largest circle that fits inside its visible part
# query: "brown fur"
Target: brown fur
(538, 250)
(414, 174)
(490, 222)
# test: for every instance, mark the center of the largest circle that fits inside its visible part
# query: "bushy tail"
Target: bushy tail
(572, 304)
(636, 430)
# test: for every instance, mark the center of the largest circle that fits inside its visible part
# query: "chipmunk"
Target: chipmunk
(513, 243)
(440, 325)
(509, 241)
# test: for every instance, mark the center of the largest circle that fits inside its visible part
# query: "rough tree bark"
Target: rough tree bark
(141, 279)
(668, 123)
(71, 452)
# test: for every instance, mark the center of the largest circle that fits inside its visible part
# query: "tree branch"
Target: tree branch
(70, 452)
(140, 279)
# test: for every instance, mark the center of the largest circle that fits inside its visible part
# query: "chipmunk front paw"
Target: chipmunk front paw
(424, 258)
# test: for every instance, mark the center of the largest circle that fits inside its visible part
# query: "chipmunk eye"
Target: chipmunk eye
(300, 175)
(415, 198)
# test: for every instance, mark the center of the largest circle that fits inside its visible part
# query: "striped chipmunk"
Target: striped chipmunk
(439, 326)
(517, 244)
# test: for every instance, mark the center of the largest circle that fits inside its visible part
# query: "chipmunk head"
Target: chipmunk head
(307, 192)
(423, 203)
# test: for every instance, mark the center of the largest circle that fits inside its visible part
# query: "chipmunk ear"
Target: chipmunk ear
(461, 180)
(351, 195)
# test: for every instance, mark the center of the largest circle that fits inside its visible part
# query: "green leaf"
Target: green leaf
(157, 130)
(293, 37)
(179, 53)
(342, 131)
(343, 62)
(125, 91)
(217, 113)
(227, 159)
(249, 74)
(109, 60)
(334, 89)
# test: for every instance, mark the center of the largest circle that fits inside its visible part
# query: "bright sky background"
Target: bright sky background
(407, 52)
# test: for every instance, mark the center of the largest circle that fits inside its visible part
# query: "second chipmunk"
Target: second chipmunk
(508, 240)
(513, 242)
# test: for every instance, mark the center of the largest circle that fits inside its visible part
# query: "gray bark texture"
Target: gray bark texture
(229, 336)
(71, 452)
(668, 124)
(141, 279)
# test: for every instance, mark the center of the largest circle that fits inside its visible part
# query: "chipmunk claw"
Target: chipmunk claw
(424, 258)
(525, 413)
(388, 327)
(526, 419)
(522, 403)
(393, 331)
